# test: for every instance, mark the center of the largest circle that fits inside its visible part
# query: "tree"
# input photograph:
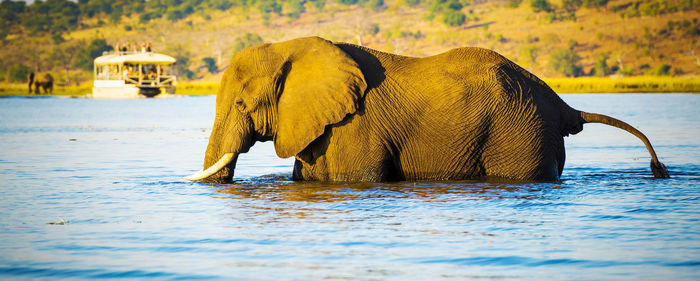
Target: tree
(296, 8)
(454, 18)
(10, 10)
(594, 3)
(441, 6)
(514, 3)
(662, 70)
(64, 54)
(566, 61)
(375, 5)
(210, 64)
(245, 41)
(450, 10)
(528, 54)
(347, 2)
(541, 6)
(411, 3)
(318, 4)
(51, 16)
(18, 73)
(182, 56)
(174, 14)
(570, 7)
(601, 67)
(116, 15)
(221, 5)
(85, 57)
(266, 7)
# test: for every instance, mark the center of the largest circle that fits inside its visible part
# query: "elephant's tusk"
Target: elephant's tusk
(223, 161)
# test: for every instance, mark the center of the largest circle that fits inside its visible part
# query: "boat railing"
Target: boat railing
(131, 79)
(122, 53)
(163, 80)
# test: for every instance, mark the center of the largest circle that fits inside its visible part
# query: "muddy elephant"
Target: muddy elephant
(43, 80)
(349, 113)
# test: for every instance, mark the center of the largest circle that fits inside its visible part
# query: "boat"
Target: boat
(133, 74)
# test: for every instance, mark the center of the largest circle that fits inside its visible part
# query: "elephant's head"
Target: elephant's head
(285, 92)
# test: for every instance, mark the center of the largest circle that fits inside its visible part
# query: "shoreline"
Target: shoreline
(579, 85)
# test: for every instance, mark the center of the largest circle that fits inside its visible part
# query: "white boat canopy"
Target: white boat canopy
(138, 58)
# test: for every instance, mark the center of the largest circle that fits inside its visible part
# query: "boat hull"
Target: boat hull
(111, 89)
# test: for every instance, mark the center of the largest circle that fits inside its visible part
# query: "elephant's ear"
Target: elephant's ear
(319, 84)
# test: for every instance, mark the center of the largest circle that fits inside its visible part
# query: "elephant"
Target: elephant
(350, 113)
(44, 80)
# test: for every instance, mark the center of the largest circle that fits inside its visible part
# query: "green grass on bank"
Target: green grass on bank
(636, 84)
(186, 88)
(197, 88)
(7, 89)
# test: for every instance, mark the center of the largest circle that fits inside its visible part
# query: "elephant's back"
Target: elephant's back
(488, 75)
(43, 77)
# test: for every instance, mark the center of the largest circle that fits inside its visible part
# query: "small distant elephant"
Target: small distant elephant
(44, 80)
(349, 113)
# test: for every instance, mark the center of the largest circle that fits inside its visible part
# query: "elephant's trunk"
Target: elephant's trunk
(231, 135)
(657, 168)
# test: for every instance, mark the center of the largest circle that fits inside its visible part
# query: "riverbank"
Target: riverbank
(7, 89)
(635, 84)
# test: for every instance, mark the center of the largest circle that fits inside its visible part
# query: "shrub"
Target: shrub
(116, 15)
(181, 68)
(347, 2)
(499, 38)
(174, 14)
(411, 3)
(566, 61)
(442, 6)
(318, 4)
(146, 17)
(594, 3)
(296, 8)
(541, 6)
(514, 3)
(528, 54)
(221, 5)
(375, 5)
(570, 8)
(247, 40)
(662, 70)
(18, 73)
(84, 58)
(210, 64)
(454, 18)
(373, 29)
(269, 6)
(601, 67)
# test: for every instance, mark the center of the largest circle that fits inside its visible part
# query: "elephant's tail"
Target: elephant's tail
(657, 168)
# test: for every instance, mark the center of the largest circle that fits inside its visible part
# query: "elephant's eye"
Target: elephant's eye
(240, 105)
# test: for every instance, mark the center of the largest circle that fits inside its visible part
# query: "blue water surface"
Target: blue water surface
(93, 189)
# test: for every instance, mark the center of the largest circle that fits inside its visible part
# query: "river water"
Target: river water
(93, 189)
